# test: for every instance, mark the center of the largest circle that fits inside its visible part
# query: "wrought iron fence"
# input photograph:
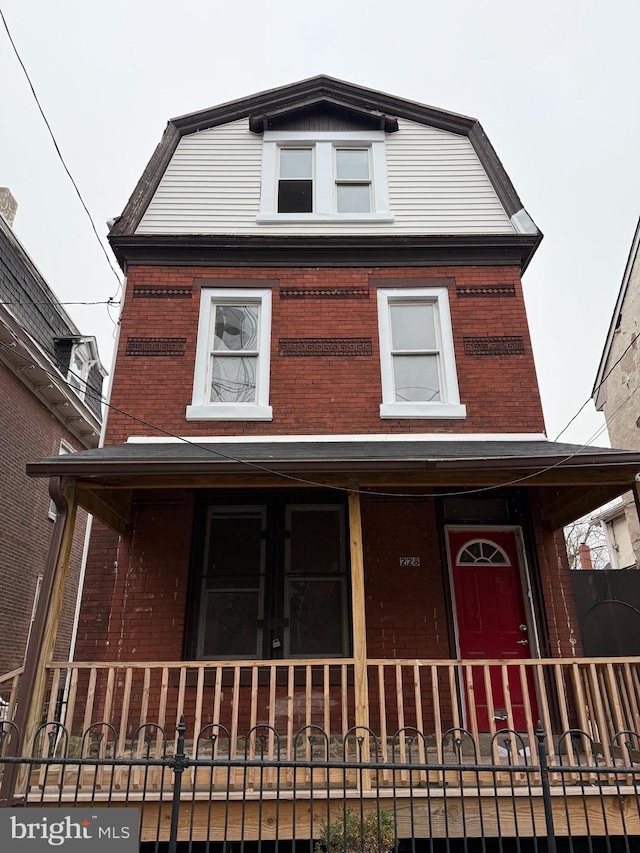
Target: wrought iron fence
(311, 792)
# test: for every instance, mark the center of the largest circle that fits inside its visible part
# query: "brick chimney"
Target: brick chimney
(8, 205)
(584, 555)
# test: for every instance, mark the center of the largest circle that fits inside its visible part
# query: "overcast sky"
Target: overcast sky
(555, 85)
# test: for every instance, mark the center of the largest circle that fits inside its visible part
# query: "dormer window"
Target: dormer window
(314, 176)
(79, 367)
(295, 181)
(353, 180)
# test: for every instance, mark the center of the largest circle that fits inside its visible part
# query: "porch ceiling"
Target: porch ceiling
(583, 477)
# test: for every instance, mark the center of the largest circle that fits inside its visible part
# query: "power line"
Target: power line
(267, 470)
(110, 301)
(599, 385)
(61, 158)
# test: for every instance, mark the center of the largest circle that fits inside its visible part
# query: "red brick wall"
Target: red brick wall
(324, 394)
(555, 580)
(406, 611)
(134, 601)
(28, 431)
(134, 604)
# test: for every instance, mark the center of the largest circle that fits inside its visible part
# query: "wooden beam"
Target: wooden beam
(358, 611)
(400, 479)
(576, 502)
(111, 506)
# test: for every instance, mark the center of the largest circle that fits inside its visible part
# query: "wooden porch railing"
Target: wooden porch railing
(600, 696)
(9, 693)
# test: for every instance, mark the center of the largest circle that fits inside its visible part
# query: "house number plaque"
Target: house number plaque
(409, 561)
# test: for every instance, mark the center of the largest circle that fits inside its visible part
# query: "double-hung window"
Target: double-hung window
(419, 378)
(231, 378)
(353, 180)
(323, 176)
(295, 180)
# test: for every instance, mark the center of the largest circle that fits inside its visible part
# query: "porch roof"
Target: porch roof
(579, 479)
(273, 457)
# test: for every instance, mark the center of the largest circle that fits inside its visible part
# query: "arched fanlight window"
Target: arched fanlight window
(482, 551)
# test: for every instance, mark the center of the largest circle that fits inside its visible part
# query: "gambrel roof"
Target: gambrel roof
(346, 106)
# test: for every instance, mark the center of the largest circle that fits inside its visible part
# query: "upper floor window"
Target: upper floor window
(318, 176)
(295, 180)
(231, 380)
(353, 180)
(79, 366)
(419, 378)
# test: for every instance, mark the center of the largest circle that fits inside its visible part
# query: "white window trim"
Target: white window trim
(201, 409)
(449, 406)
(82, 349)
(324, 144)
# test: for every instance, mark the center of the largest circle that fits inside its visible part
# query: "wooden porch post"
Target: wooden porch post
(33, 684)
(358, 611)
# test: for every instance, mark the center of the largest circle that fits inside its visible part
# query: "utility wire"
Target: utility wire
(599, 385)
(268, 470)
(110, 301)
(61, 158)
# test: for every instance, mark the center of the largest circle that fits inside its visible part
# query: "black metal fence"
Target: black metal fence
(266, 794)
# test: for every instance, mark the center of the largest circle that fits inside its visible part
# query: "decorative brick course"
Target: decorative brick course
(324, 346)
(324, 293)
(480, 292)
(142, 291)
(156, 346)
(502, 345)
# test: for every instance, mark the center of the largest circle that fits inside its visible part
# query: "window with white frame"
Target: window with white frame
(419, 378)
(315, 176)
(231, 380)
(79, 365)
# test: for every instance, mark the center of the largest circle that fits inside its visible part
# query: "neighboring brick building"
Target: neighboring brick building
(39, 413)
(325, 476)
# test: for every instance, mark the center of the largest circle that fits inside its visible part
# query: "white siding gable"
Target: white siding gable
(437, 185)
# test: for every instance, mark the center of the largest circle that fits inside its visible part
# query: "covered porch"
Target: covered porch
(400, 675)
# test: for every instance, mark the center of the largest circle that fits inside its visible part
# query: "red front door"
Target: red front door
(491, 618)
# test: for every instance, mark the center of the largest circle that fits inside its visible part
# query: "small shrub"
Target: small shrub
(375, 833)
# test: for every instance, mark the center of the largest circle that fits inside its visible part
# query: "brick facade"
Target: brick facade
(328, 393)
(28, 431)
(135, 604)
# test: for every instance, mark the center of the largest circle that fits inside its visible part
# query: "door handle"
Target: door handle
(523, 642)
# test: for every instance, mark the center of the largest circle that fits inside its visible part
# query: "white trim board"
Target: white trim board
(284, 439)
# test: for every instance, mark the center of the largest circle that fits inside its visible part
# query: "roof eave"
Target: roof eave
(326, 250)
(597, 391)
(93, 469)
